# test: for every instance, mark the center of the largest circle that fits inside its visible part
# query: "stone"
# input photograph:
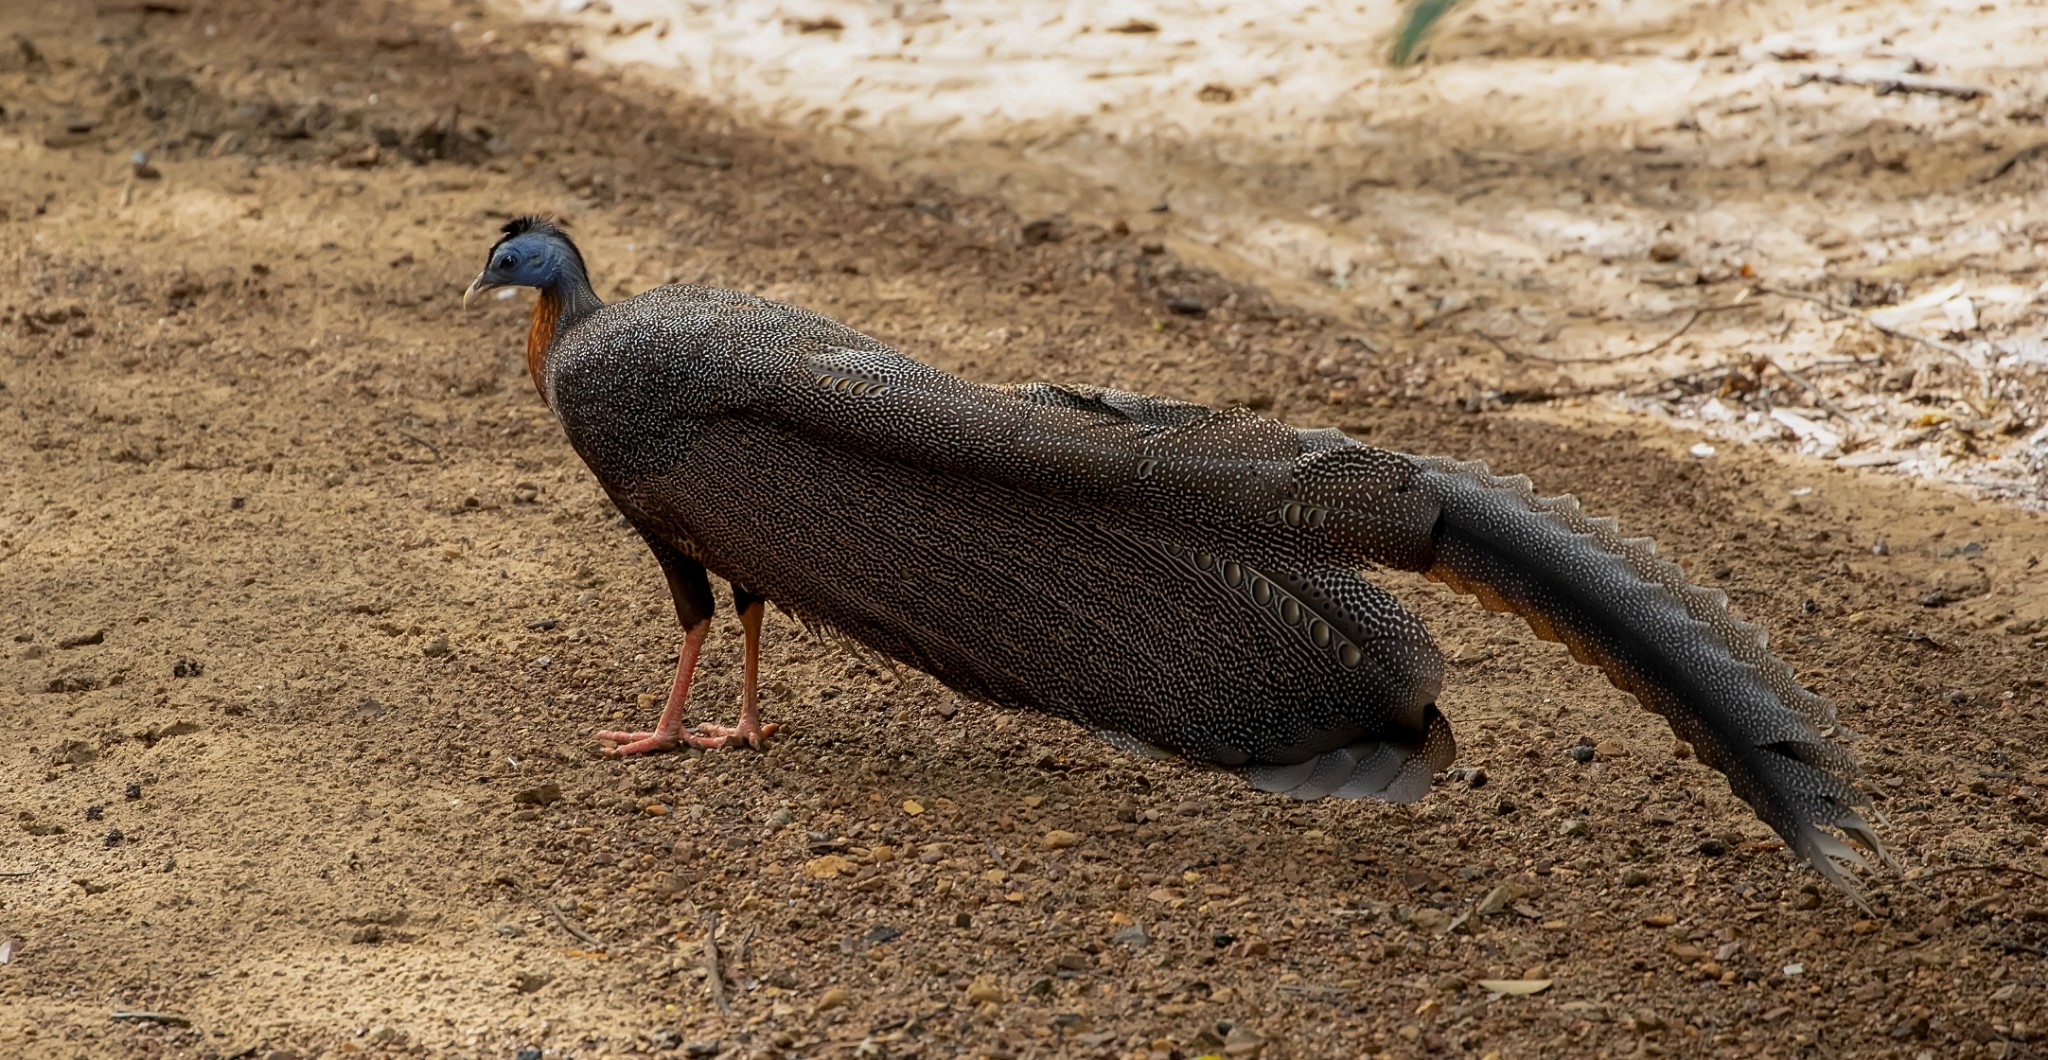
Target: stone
(827, 867)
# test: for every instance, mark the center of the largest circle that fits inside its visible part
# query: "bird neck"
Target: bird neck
(561, 304)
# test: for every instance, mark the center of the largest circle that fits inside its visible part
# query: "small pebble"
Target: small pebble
(1582, 753)
(1795, 969)
(436, 648)
(133, 793)
(1713, 848)
(95, 812)
(984, 992)
(831, 999)
(1574, 827)
(1430, 919)
(782, 818)
(1701, 450)
(541, 795)
(114, 837)
(1058, 839)
(1243, 1041)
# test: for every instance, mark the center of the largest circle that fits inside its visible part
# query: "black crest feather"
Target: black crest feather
(519, 226)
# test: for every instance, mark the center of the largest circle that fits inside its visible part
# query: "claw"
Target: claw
(703, 737)
(755, 736)
(640, 743)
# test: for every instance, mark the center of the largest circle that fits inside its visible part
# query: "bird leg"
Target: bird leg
(750, 731)
(670, 731)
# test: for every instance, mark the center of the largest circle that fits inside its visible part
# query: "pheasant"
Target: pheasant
(1179, 579)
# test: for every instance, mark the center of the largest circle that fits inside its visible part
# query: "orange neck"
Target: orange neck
(541, 335)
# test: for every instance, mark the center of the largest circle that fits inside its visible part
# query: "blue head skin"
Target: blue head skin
(535, 253)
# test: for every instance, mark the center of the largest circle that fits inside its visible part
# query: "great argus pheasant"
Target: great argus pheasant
(1182, 580)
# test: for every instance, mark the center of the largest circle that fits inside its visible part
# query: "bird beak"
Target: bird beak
(477, 288)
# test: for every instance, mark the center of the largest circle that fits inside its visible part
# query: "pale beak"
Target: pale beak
(477, 288)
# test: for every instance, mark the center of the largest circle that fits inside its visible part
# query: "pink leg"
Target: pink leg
(750, 731)
(669, 731)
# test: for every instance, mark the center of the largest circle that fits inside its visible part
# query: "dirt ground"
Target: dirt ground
(1699, 209)
(309, 612)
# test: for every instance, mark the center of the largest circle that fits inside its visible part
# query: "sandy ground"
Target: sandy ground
(309, 612)
(1623, 204)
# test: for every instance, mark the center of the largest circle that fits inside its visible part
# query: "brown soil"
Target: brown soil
(310, 613)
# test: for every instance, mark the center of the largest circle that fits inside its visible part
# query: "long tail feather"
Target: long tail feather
(1673, 645)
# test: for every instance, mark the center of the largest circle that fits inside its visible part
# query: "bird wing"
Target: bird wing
(1230, 475)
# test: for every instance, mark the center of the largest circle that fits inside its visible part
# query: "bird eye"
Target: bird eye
(508, 261)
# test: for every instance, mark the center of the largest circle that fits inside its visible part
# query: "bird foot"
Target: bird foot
(707, 737)
(754, 736)
(640, 743)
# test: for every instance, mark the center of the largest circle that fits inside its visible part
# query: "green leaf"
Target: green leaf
(1415, 25)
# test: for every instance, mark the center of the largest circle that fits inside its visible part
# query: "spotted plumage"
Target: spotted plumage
(1182, 580)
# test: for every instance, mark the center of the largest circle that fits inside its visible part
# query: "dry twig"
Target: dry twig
(1876, 325)
(1819, 398)
(1644, 352)
(713, 974)
(417, 440)
(554, 910)
(572, 927)
(1890, 84)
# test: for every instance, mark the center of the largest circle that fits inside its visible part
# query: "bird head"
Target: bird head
(530, 252)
